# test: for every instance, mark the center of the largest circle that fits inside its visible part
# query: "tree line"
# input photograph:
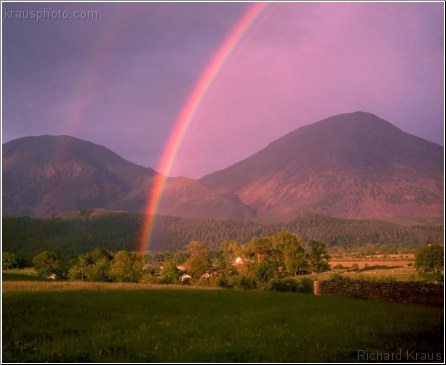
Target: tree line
(272, 262)
(259, 263)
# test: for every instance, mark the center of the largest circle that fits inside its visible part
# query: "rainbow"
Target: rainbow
(86, 89)
(187, 114)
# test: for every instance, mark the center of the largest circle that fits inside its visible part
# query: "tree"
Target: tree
(92, 266)
(98, 271)
(293, 255)
(260, 247)
(125, 267)
(48, 262)
(11, 261)
(430, 258)
(169, 273)
(318, 256)
(226, 269)
(265, 271)
(180, 257)
(75, 271)
(199, 261)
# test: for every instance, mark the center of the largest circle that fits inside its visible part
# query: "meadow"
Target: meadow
(25, 274)
(112, 322)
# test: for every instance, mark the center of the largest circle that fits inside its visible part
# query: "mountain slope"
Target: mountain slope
(46, 175)
(351, 165)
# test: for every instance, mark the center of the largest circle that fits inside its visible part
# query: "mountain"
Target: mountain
(351, 165)
(46, 175)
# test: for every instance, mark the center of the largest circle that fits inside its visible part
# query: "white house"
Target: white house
(238, 261)
(185, 277)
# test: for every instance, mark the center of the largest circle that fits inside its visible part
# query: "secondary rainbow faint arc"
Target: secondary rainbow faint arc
(187, 114)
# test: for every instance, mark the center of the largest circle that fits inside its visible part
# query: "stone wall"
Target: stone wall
(406, 292)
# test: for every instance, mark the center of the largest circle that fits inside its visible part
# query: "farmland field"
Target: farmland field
(99, 322)
(399, 267)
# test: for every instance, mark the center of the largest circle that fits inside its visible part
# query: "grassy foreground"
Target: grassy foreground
(80, 322)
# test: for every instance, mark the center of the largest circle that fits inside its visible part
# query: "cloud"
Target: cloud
(122, 79)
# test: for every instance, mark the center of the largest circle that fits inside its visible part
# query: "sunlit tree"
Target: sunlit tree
(200, 258)
(261, 248)
(125, 267)
(169, 273)
(292, 254)
(430, 258)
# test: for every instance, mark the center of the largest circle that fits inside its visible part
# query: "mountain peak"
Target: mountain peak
(353, 165)
(352, 125)
(358, 117)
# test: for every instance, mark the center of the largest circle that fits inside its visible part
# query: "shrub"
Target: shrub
(265, 272)
(283, 285)
(338, 277)
(385, 279)
(224, 282)
(186, 282)
(244, 282)
(430, 277)
(148, 278)
(304, 285)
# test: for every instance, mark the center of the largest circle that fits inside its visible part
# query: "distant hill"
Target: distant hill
(46, 175)
(351, 165)
(81, 231)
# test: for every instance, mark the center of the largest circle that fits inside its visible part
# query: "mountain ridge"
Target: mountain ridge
(353, 165)
(46, 175)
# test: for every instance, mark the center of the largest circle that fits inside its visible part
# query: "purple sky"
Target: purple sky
(121, 80)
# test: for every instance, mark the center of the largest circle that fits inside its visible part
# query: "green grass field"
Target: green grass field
(81, 322)
(28, 274)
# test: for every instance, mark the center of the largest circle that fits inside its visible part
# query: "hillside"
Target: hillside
(76, 232)
(351, 165)
(46, 175)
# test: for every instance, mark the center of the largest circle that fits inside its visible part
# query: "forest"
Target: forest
(72, 236)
